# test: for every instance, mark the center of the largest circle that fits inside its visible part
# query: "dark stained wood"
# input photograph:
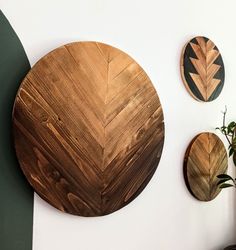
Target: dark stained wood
(205, 158)
(88, 128)
(202, 69)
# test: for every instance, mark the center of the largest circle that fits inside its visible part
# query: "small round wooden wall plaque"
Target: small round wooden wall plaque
(205, 158)
(88, 128)
(202, 69)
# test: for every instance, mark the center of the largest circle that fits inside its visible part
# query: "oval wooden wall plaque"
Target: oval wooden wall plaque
(202, 69)
(205, 158)
(88, 128)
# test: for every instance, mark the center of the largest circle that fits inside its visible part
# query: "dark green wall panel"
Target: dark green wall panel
(16, 196)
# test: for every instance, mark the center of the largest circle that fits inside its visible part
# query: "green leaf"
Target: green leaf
(222, 129)
(231, 151)
(232, 124)
(225, 176)
(230, 128)
(226, 185)
(221, 181)
(229, 131)
(234, 159)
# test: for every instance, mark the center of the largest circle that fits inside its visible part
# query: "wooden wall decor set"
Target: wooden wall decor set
(203, 74)
(205, 158)
(88, 128)
(202, 69)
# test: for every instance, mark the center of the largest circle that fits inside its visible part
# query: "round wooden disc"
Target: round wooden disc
(88, 128)
(202, 69)
(205, 158)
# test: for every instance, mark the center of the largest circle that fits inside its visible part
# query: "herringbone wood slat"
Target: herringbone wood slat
(205, 158)
(202, 69)
(88, 128)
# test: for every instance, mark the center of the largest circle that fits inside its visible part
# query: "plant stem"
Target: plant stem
(224, 132)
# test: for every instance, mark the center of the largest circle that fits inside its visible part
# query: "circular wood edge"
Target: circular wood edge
(182, 70)
(142, 187)
(185, 164)
(185, 172)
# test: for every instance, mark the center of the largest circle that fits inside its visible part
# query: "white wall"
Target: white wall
(165, 216)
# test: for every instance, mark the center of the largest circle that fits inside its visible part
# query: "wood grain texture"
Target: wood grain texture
(202, 69)
(88, 128)
(205, 158)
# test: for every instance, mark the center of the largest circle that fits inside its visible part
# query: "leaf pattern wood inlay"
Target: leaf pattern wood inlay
(205, 158)
(88, 128)
(202, 69)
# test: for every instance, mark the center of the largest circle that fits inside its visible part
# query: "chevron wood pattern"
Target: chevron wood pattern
(88, 128)
(205, 158)
(202, 69)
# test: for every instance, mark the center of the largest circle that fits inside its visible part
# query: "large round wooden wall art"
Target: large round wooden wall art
(88, 128)
(202, 69)
(205, 158)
